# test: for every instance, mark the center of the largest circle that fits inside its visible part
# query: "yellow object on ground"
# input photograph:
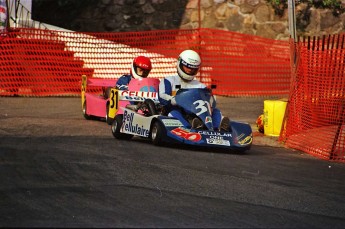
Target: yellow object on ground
(274, 111)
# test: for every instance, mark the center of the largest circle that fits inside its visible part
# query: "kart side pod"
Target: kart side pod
(242, 134)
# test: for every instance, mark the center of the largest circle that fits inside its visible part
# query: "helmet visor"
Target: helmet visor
(141, 72)
(189, 69)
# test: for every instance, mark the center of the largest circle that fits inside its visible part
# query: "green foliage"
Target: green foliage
(335, 5)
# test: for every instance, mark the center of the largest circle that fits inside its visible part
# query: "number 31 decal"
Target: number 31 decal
(202, 106)
(113, 102)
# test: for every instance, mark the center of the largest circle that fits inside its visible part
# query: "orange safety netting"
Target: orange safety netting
(37, 62)
(315, 121)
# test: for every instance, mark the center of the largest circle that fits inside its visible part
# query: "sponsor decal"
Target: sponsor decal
(129, 126)
(245, 141)
(172, 122)
(148, 88)
(216, 137)
(213, 133)
(138, 95)
(186, 134)
(133, 98)
(208, 119)
(145, 94)
(217, 141)
(193, 63)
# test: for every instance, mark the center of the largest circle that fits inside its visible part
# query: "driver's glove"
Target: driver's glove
(173, 101)
(122, 87)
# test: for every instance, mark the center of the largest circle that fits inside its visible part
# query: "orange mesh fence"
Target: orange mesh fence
(36, 62)
(244, 65)
(315, 122)
(239, 64)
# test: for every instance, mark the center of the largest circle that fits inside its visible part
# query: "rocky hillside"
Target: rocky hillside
(256, 17)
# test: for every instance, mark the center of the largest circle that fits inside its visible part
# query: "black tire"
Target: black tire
(88, 117)
(157, 134)
(107, 119)
(151, 106)
(116, 126)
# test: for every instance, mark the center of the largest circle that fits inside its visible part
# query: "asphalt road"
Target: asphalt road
(60, 170)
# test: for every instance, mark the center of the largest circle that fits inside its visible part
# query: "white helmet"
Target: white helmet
(188, 64)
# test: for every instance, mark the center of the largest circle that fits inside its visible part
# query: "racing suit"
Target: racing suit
(167, 91)
(121, 84)
(123, 81)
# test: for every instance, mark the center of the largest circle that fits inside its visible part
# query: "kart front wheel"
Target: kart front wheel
(157, 133)
(116, 126)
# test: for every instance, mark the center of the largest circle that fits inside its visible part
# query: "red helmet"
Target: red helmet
(142, 62)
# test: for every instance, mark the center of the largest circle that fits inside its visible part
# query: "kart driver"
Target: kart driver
(140, 68)
(188, 65)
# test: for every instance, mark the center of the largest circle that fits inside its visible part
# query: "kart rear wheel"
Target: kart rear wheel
(116, 126)
(86, 116)
(157, 133)
(107, 118)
